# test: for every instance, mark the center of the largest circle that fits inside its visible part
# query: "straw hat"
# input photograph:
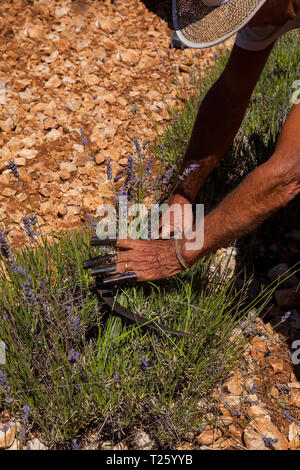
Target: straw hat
(200, 23)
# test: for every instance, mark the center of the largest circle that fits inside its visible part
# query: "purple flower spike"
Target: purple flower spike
(83, 138)
(13, 168)
(285, 316)
(75, 445)
(73, 356)
(108, 169)
(4, 246)
(268, 441)
(143, 363)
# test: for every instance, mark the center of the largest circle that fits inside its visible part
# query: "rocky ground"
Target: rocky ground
(79, 81)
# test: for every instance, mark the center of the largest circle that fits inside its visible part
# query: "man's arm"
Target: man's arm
(220, 116)
(268, 188)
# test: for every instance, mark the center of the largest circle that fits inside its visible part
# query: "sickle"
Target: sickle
(105, 292)
(108, 298)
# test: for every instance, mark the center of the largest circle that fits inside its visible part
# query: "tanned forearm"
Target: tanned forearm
(265, 190)
(220, 116)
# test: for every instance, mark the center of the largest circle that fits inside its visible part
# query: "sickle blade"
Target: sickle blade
(108, 298)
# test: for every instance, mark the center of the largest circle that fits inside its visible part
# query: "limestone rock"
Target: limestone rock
(256, 410)
(235, 383)
(259, 430)
(209, 436)
(65, 174)
(7, 434)
(277, 364)
(35, 444)
(294, 399)
(143, 441)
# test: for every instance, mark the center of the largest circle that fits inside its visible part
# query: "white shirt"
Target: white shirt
(256, 38)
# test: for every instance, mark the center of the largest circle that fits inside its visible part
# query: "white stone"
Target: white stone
(35, 444)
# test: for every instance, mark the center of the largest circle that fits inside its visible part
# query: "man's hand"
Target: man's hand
(150, 260)
(136, 260)
(178, 218)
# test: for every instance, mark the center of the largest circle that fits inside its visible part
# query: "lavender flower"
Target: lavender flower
(285, 316)
(169, 174)
(26, 411)
(188, 171)
(73, 356)
(75, 445)
(148, 167)
(284, 388)
(108, 169)
(4, 246)
(4, 387)
(130, 171)
(29, 295)
(83, 138)
(144, 146)
(91, 222)
(268, 441)
(287, 415)
(28, 229)
(18, 269)
(74, 323)
(13, 168)
(33, 219)
(122, 193)
(25, 416)
(137, 146)
(234, 412)
(143, 363)
(155, 184)
(5, 427)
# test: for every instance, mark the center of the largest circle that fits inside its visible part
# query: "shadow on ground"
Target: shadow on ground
(162, 8)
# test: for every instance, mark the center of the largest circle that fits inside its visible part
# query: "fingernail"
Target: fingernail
(98, 260)
(95, 241)
(109, 268)
(120, 278)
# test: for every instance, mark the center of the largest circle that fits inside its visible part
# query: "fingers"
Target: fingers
(128, 243)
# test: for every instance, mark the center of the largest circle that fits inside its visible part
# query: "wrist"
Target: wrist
(185, 257)
(190, 255)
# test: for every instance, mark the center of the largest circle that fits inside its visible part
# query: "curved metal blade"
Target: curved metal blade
(108, 298)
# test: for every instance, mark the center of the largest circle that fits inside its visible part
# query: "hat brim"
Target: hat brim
(198, 26)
